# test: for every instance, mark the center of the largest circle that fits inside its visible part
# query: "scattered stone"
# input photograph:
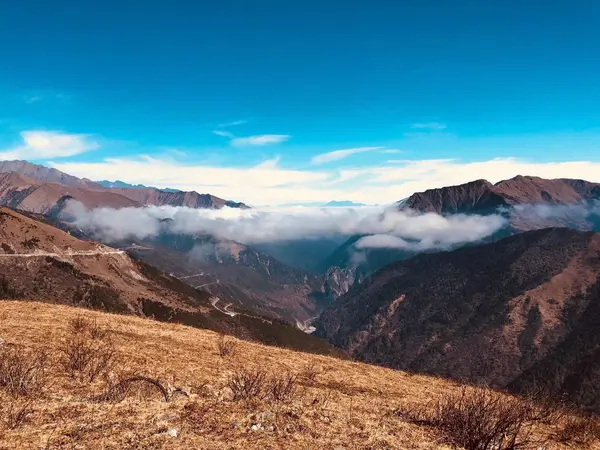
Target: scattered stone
(172, 432)
(256, 427)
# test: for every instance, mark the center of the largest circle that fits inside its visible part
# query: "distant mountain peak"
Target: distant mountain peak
(343, 203)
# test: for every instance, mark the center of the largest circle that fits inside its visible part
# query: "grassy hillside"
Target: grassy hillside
(71, 378)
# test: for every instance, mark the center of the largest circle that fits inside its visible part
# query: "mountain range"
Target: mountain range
(517, 310)
(38, 189)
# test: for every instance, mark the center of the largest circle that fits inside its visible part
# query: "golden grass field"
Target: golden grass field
(336, 404)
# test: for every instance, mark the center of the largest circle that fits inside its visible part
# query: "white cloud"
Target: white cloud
(233, 123)
(49, 144)
(429, 126)
(341, 154)
(262, 139)
(422, 231)
(271, 185)
(226, 134)
(391, 150)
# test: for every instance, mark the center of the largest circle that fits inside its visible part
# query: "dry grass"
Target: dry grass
(306, 401)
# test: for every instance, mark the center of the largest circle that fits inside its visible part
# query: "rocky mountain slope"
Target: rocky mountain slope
(527, 203)
(52, 185)
(45, 174)
(41, 262)
(483, 197)
(502, 314)
(17, 191)
(247, 278)
(331, 404)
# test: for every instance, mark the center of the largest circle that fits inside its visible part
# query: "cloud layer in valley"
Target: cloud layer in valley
(272, 225)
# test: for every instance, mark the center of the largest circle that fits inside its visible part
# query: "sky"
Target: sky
(276, 102)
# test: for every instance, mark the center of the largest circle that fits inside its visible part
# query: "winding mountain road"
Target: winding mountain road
(58, 255)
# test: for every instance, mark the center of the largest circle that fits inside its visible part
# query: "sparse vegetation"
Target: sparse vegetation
(283, 388)
(22, 371)
(583, 432)
(481, 419)
(226, 346)
(247, 383)
(87, 352)
(270, 398)
(14, 412)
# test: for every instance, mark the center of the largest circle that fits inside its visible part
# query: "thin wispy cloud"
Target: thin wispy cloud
(433, 126)
(30, 99)
(252, 141)
(262, 139)
(337, 155)
(232, 124)
(390, 151)
(222, 133)
(39, 144)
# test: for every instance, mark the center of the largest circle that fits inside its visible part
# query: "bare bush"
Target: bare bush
(246, 384)
(309, 373)
(14, 411)
(81, 325)
(282, 388)
(86, 358)
(481, 419)
(23, 372)
(226, 346)
(119, 391)
(580, 431)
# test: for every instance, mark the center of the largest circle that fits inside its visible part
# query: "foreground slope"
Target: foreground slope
(335, 404)
(525, 306)
(41, 262)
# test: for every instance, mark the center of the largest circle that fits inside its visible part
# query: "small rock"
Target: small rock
(256, 427)
(172, 432)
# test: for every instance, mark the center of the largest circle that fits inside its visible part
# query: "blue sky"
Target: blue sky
(239, 98)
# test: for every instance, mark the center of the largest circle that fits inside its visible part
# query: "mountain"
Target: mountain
(31, 195)
(52, 185)
(521, 311)
(247, 278)
(527, 203)
(41, 262)
(157, 197)
(329, 403)
(122, 184)
(483, 197)
(343, 203)
(45, 174)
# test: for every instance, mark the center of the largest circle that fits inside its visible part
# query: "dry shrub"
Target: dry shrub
(23, 372)
(481, 419)
(87, 353)
(255, 384)
(81, 325)
(226, 346)
(119, 391)
(309, 373)
(246, 384)
(579, 431)
(283, 388)
(14, 411)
